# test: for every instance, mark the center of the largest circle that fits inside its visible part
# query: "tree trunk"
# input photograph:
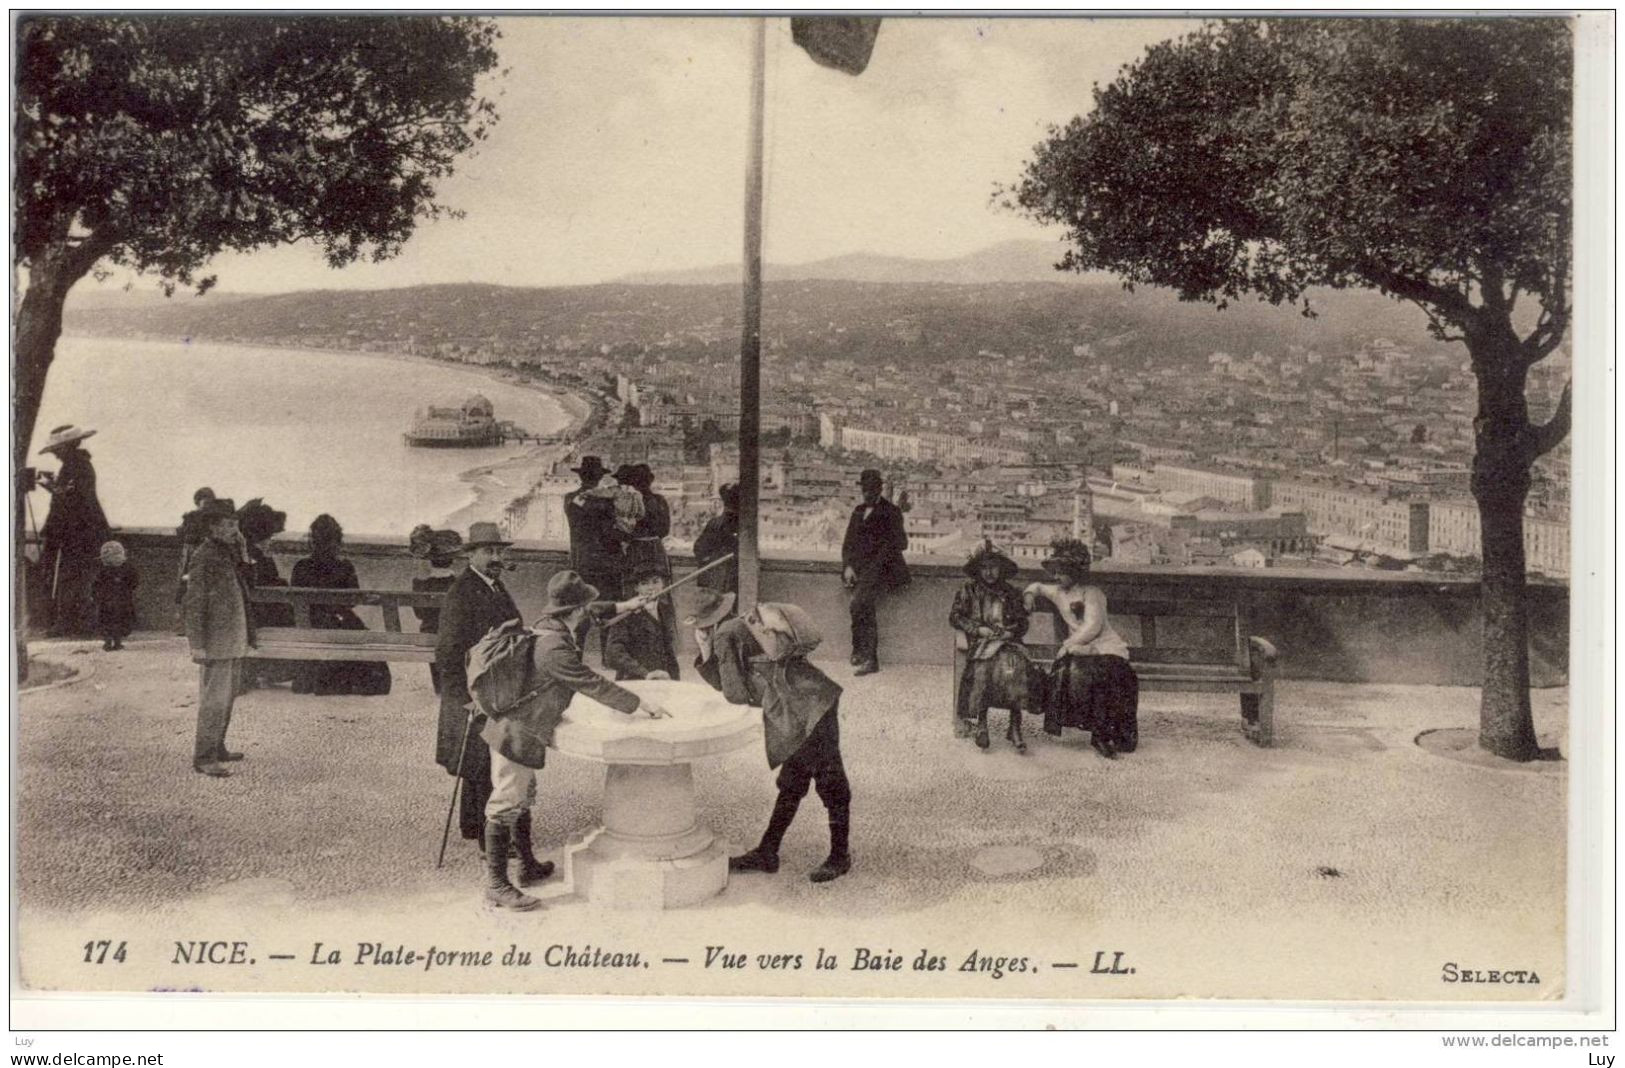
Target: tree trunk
(1500, 484)
(39, 324)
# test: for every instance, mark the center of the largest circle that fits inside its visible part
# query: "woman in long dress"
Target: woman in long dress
(1091, 686)
(325, 569)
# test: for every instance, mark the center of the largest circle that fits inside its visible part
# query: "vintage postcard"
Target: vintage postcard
(1064, 510)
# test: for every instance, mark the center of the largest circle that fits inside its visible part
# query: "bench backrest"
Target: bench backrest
(1165, 629)
(391, 601)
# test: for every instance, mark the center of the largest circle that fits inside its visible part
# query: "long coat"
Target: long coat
(873, 547)
(792, 694)
(472, 608)
(719, 538)
(75, 525)
(217, 624)
(558, 676)
(595, 540)
(645, 543)
(640, 643)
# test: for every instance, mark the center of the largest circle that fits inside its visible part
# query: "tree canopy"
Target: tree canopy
(1427, 158)
(155, 142)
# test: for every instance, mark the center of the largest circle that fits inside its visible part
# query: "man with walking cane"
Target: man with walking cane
(476, 602)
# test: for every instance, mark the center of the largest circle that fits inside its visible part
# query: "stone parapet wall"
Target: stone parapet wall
(1366, 627)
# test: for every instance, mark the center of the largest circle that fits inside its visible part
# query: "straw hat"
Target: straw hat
(66, 434)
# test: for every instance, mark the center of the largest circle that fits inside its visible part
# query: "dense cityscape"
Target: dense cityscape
(1163, 433)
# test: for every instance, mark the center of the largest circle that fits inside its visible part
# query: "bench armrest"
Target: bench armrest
(1262, 650)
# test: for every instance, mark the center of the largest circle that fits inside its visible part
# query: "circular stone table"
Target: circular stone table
(652, 851)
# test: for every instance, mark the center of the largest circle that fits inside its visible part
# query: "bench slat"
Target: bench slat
(295, 643)
(308, 595)
(1173, 654)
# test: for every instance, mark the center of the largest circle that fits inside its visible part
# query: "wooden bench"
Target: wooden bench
(304, 642)
(1232, 661)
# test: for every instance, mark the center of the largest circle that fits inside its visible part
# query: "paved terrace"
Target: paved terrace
(1347, 862)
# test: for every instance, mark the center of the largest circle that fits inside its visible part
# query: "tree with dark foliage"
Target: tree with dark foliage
(1429, 159)
(154, 142)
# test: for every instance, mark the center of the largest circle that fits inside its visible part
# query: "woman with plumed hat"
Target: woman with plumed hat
(74, 531)
(438, 550)
(1091, 686)
(991, 614)
(259, 523)
(326, 569)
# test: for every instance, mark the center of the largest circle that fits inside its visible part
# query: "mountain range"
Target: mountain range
(1008, 261)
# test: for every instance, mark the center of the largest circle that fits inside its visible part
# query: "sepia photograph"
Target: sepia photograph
(1057, 512)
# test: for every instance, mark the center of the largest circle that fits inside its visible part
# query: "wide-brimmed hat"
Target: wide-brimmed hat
(66, 434)
(987, 554)
(871, 477)
(259, 521)
(623, 474)
(641, 477)
(728, 492)
(566, 591)
(709, 608)
(484, 536)
(591, 469)
(219, 508)
(426, 542)
(1068, 556)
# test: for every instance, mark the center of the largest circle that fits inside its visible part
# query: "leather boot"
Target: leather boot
(531, 870)
(839, 861)
(765, 857)
(499, 892)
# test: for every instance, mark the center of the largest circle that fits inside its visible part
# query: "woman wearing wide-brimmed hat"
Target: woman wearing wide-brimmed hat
(1091, 685)
(74, 531)
(990, 613)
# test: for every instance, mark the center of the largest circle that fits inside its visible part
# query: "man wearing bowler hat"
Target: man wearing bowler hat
(595, 545)
(219, 633)
(518, 737)
(476, 602)
(872, 563)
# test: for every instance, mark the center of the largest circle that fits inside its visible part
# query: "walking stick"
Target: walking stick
(690, 577)
(456, 784)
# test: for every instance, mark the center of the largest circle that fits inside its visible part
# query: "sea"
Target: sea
(309, 431)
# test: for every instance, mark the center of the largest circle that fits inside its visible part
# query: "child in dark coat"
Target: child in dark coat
(113, 591)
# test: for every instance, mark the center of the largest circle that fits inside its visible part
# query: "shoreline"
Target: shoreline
(492, 486)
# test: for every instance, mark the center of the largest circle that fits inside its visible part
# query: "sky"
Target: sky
(621, 149)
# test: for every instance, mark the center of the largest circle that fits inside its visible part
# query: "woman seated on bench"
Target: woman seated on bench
(325, 569)
(1091, 685)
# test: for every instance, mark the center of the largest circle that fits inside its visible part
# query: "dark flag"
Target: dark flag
(839, 42)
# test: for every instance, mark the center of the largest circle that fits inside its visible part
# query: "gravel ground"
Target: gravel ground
(1317, 864)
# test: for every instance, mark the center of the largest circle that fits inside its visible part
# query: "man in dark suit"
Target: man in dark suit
(640, 646)
(476, 602)
(872, 563)
(219, 632)
(595, 542)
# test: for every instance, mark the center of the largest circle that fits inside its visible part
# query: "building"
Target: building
(1453, 528)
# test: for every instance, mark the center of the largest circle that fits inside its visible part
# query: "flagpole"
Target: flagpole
(750, 347)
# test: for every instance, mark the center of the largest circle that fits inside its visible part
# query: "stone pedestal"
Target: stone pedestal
(652, 851)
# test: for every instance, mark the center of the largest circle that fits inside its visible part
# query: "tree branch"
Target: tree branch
(1546, 437)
